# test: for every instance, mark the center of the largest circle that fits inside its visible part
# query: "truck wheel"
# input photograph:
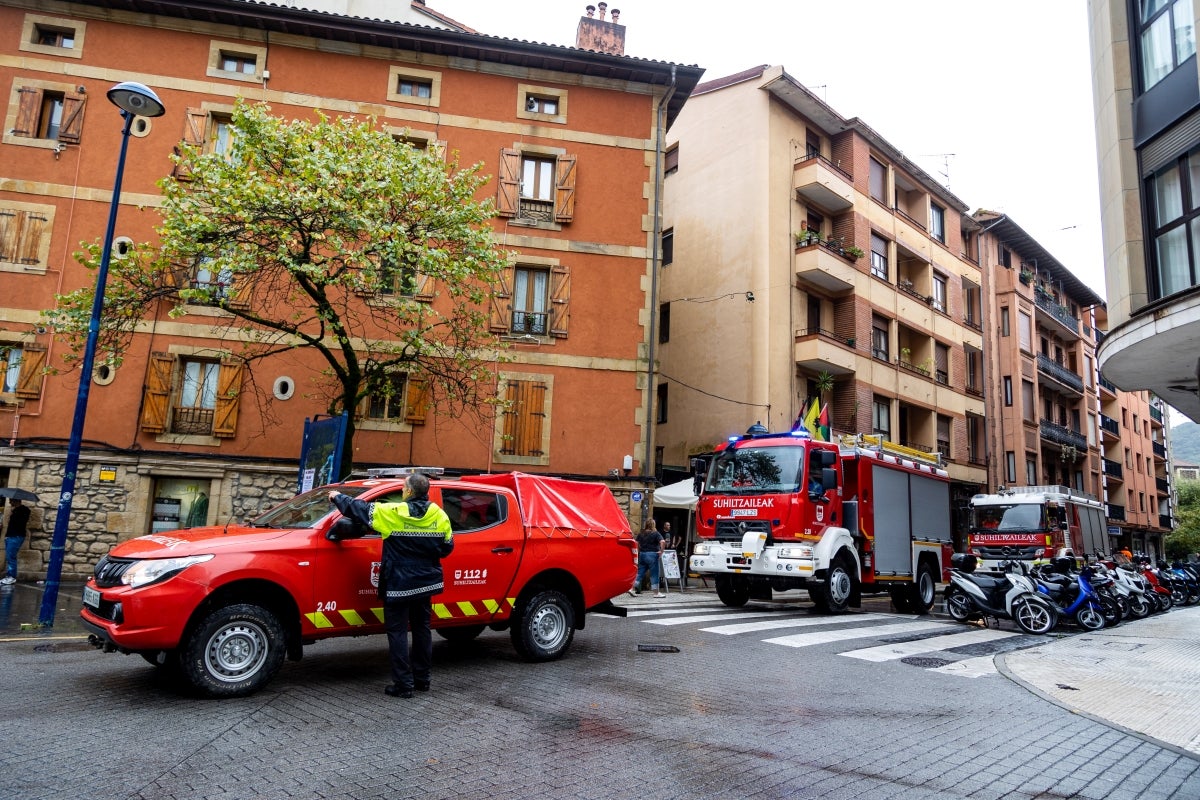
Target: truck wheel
(924, 589)
(545, 626)
(734, 591)
(461, 633)
(234, 651)
(834, 595)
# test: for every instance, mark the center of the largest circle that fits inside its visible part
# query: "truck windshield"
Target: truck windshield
(751, 470)
(1020, 517)
(303, 510)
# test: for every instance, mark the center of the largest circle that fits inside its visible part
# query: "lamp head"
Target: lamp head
(137, 99)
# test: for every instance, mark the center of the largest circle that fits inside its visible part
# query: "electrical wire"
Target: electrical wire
(710, 394)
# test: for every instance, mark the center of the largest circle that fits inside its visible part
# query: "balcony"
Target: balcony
(820, 350)
(819, 181)
(1165, 521)
(1063, 436)
(824, 265)
(1160, 450)
(193, 421)
(1116, 512)
(1060, 314)
(1110, 425)
(1113, 469)
(1064, 377)
(531, 322)
(1105, 383)
(1156, 415)
(1162, 485)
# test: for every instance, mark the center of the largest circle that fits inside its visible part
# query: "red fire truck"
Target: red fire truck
(781, 511)
(1031, 523)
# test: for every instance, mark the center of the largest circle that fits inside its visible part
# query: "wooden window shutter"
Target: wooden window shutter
(229, 395)
(564, 189)
(416, 401)
(8, 235)
(560, 300)
(71, 129)
(524, 418)
(30, 238)
(500, 311)
(29, 108)
(363, 407)
(509, 189)
(422, 288)
(195, 124)
(156, 401)
(29, 382)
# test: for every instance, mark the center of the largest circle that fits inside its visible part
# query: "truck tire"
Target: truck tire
(733, 590)
(460, 633)
(924, 589)
(544, 627)
(234, 651)
(833, 596)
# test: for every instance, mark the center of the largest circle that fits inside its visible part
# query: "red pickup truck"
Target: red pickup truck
(224, 605)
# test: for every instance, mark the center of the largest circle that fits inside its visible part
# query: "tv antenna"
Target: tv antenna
(945, 170)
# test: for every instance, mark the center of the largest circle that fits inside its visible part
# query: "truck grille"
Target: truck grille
(1022, 552)
(732, 530)
(109, 570)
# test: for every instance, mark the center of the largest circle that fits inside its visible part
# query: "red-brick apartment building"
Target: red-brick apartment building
(588, 117)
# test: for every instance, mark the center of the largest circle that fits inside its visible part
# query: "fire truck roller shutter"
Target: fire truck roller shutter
(907, 506)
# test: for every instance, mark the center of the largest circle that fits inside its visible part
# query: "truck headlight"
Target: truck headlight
(153, 570)
(700, 550)
(797, 551)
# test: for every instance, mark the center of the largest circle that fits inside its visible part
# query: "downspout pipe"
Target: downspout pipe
(983, 365)
(647, 468)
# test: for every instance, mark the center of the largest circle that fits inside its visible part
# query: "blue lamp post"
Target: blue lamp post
(134, 100)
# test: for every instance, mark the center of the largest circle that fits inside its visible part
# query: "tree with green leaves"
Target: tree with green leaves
(330, 235)
(1184, 541)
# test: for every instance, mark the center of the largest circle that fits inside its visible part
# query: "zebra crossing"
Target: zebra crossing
(928, 643)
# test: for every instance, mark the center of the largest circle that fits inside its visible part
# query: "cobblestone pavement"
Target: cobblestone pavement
(722, 717)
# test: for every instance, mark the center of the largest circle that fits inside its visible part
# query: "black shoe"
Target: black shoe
(422, 686)
(397, 691)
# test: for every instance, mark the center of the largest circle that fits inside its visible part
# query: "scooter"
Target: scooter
(1160, 585)
(1121, 568)
(1071, 592)
(1114, 598)
(1191, 582)
(1009, 595)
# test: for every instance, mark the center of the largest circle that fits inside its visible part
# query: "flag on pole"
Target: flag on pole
(822, 432)
(810, 417)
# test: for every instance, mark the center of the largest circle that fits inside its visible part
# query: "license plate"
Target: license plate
(91, 597)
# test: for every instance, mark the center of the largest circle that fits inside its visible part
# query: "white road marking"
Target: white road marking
(715, 617)
(892, 652)
(791, 622)
(824, 637)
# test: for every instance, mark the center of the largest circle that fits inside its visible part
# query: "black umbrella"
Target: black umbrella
(24, 495)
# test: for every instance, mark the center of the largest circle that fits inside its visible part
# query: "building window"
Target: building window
(532, 299)
(53, 36)
(943, 436)
(973, 359)
(661, 416)
(191, 395)
(536, 187)
(664, 323)
(878, 181)
(414, 87)
(881, 417)
(1023, 330)
(939, 293)
(879, 256)
(668, 246)
(1173, 193)
(671, 161)
(974, 439)
(47, 112)
(209, 132)
(236, 61)
(1004, 323)
(1030, 470)
(386, 402)
(937, 222)
(1010, 466)
(1004, 256)
(941, 363)
(25, 236)
(21, 367)
(1027, 405)
(1008, 391)
(524, 423)
(541, 103)
(879, 339)
(216, 282)
(1165, 38)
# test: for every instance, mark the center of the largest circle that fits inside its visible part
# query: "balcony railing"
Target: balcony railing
(529, 322)
(1162, 485)
(1107, 384)
(1156, 415)
(1113, 468)
(1109, 424)
(973, 323)
(1064, 436)
(1060, 373)
(1047, 303)
(1160, 450)
(192, 421)
(912, 220)
(810, 156)
(911, 367)
(1165, 521)
(1116, 512)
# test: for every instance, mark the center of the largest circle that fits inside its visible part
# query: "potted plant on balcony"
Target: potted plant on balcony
(807, 237)
(853, 252)
(1026, 276)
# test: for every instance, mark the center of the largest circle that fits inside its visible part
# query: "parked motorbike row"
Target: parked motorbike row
(1101, 593)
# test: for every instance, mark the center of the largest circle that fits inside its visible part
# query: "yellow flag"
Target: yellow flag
(810, 419)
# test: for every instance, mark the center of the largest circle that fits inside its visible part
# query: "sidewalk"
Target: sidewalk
(21, 605)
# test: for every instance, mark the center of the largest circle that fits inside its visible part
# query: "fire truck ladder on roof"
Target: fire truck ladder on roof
(1066, 491)
(877, 444)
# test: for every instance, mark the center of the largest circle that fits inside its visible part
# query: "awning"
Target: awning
(676, 495)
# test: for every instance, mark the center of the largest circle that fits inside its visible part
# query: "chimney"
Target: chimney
(599, 34)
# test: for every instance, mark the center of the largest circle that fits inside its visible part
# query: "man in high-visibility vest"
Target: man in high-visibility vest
(416, 537)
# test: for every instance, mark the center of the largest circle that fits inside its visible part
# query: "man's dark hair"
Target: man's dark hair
(418, 484)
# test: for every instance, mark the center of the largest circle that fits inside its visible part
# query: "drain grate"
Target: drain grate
(926, 662)
(657, 648)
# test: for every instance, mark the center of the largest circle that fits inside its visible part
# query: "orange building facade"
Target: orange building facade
(183, 433)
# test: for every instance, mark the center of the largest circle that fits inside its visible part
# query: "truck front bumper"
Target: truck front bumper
(716, 558)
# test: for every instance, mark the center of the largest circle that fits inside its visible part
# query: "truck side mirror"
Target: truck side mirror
(344, 528)
(829, 478)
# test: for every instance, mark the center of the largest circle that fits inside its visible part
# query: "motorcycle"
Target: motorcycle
(1072, 593)
(1008, 595)
(1190, 580)
(1160, 585)
(1114, 598)
(1121, 568)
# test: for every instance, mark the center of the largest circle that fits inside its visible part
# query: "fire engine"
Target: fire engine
(1029, 523)
(781, 511)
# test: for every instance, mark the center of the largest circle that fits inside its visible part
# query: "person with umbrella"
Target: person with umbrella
(14, 537)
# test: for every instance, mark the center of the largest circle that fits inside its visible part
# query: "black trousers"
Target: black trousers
(398, 617)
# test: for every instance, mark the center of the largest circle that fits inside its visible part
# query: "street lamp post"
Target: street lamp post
(134, 100)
